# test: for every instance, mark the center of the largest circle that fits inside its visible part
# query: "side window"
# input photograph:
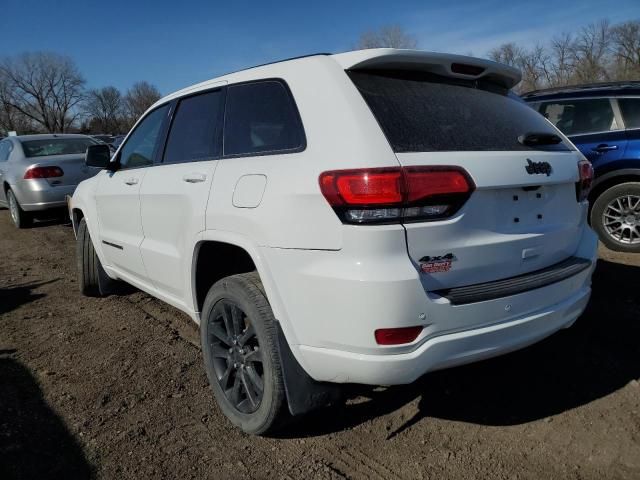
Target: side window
(261, 117)
(195, 130)
(574, 117)
(139, 149)
(630, 108)
(5, 150)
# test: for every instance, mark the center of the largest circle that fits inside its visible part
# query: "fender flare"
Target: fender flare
(303, 392)
(623, 172)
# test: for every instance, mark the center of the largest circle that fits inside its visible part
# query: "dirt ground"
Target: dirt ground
(115, 388)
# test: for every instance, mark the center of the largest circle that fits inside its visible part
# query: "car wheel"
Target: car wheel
(616, 217)
(239, 344)
(92, 279)
(20, 218)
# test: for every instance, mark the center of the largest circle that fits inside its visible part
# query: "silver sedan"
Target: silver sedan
(37, 172)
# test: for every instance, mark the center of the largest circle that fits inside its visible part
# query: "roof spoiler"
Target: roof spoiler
(449, 65)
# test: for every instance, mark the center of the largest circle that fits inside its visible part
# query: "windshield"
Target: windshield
(423, 112)
(56, 146)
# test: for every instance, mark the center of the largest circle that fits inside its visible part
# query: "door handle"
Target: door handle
(194, 177)
(131, 181)
(604, 148)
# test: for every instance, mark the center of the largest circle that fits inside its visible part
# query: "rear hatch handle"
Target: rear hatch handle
(535, 139)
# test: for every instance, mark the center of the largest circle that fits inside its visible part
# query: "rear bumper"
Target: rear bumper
(445, 350)
(34, 195)
(333, 301)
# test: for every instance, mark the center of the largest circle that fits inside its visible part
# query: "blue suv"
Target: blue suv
(603, 121)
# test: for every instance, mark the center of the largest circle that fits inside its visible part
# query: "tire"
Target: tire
(237, 322)
(620, 202)
(20, 218)
(92, 279)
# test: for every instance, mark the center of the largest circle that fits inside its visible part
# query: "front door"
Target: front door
(118, 196)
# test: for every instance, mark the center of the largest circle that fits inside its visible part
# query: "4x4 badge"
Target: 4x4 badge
(437, 264)
(535, 168)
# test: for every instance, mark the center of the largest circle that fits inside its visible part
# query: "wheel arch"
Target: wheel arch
(610, 179)
(303, 393)
(217, 242)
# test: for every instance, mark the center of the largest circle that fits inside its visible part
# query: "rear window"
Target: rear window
(56, 146)
(581, 116)
(630, 111)
(195, 129)
(261, 118)
(423, 112)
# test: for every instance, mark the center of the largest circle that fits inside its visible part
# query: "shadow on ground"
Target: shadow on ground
(34, 442)
(597, 356)
(14, 296)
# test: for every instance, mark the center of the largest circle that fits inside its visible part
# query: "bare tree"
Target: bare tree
(104, 107)
(44, 87)
(138, 99)
(390, 36)
(591, 52)
(626, 50)
(562, 68)
(507, 53)
(10, 118)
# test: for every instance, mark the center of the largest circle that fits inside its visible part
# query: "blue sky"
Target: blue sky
(173, 44)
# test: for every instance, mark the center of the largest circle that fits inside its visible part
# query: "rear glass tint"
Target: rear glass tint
(56, 146)
(195, 129)
(580, 116)
(630, 111)
(261, 118)
(422, 112)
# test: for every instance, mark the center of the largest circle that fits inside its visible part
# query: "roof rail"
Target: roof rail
(278, 61)
(582, 87)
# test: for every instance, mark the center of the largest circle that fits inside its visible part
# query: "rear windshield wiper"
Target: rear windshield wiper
(539, 139)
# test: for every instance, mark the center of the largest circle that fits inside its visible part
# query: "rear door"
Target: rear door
(523, 214)
(174, 193)
(630, 109)
(592, 124)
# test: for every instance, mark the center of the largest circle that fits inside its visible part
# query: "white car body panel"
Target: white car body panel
(331, 285)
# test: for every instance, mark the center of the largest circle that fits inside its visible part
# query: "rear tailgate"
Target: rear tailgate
(514, 222)
(523, 214)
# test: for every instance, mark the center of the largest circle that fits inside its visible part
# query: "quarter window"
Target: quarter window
(261, 118)
(575, 117)
(630, 108)
(140, 148)
(195, 129)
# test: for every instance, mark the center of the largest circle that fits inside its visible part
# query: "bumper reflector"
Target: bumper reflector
(397, 336)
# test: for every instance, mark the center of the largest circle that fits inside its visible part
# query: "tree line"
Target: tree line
(598, 52)
(45, 92)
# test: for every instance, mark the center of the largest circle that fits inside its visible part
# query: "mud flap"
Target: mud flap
(304, 394)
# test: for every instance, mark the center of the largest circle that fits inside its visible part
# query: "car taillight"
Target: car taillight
(398, 194)
(396, 336)
(43, 172)
(583, 187)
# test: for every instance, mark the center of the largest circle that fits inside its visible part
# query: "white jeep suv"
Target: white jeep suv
(364, 218)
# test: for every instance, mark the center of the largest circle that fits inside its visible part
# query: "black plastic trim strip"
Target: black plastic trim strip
(114, 245)
(514, 285)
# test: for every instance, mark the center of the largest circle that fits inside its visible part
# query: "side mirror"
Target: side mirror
(98, 156)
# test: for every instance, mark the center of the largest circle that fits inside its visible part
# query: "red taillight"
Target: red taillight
(43, 172)
(583, 187)
(397, 336)
(388, 195)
